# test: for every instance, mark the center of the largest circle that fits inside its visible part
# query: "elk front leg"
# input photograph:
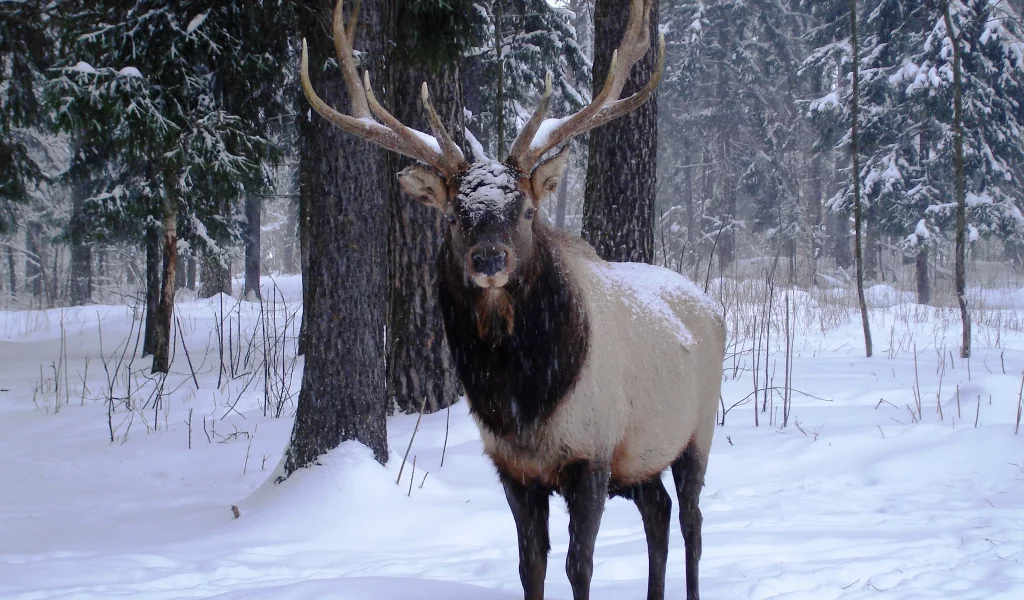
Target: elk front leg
(529, 504)
(655, 506)
(585, 487)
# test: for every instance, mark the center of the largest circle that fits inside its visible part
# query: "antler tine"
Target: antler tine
(411, 139)
(343, 39)
(525, 137)
(453, 156)
(391, 135)
(606, 105)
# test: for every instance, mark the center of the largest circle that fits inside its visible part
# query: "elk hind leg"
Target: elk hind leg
(688, 472)
(530, 508)
(655, 505)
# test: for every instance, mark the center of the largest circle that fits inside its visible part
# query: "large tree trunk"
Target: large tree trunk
(419, 367)
(153, 262)
(960, 266)
(855, 151)
(253, 204)
(562, 200)
(618, 209)
(165, 308)
(343, 393)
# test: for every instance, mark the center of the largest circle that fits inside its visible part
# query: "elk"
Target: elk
(585, 378)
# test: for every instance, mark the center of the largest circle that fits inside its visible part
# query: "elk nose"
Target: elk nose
(489, 261)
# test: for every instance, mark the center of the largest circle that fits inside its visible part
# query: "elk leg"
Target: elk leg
(655, 506)
(585, 487)
(529, 504)
(688, 473)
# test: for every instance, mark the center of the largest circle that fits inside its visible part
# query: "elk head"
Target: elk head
(490, 206)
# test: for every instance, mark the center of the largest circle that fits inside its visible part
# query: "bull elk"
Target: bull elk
(586, 378)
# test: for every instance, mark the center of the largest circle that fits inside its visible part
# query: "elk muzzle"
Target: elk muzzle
(490, 264)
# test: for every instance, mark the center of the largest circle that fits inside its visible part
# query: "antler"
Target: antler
(528, 148)
(392, 134)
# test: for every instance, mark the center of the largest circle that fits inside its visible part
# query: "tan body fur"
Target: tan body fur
(647, 391)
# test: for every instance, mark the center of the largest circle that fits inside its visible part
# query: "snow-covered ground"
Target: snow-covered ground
(862, 499)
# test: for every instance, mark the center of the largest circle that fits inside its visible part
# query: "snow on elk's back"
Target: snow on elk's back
(487, 188)
(650, 289)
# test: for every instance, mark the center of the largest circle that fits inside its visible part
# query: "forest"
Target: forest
(188, 250)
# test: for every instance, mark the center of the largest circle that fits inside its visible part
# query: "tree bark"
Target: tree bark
(253, 205)
(618, 208)
(343, 393)
(960, 266)
(80, 280)
(153, 263)
(855, 150)
(419, 367)
(165, 308)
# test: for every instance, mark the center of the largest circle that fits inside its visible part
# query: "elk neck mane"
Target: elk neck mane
(519, 350)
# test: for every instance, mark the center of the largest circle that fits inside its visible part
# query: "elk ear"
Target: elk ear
(548, 175)
(424, 186)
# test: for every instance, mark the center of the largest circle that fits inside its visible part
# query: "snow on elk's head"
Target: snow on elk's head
(491, 209)
(491, 206)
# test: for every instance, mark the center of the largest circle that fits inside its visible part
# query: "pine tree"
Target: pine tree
(535, 38)
(200, 99)
(26, 50)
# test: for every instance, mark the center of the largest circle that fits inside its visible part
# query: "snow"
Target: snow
(83, 67)
(547, 127)
(129, 72)
(647, 288)
(861, 501)
(196, 22)
(487, 188)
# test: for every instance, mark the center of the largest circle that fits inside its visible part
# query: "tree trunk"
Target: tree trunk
(855, 152)
(419, 367)
(152, 290)
(34, 260)
(307, 165)
(343, 393)
(216, 277)
(12, 265)
(190, 276)
(924, 289)
(618, 208)
(291, 223)
(180, 275)
(81, 250)
(871, 249)
(165, 308)
(960, 267)
(253, 204)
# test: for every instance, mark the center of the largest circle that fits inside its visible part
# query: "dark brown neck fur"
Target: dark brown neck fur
(515, 376)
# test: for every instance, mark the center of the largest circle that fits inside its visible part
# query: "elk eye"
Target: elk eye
(528, 213)
(451, 218)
